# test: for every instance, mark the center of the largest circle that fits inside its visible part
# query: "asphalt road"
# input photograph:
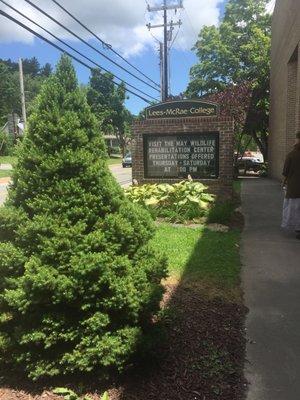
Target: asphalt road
(122, 175)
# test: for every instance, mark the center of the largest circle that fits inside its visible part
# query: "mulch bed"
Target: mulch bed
(237, 221)
(202, 357)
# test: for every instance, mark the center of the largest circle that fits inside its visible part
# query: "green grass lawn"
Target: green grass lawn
(115, 161)
(200, 254)
(237, 186)
(4, 174)
(8, 159)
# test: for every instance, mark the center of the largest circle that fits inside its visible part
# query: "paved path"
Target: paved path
(271, 281)
(122, 175)
(5, 167)
(3, 191)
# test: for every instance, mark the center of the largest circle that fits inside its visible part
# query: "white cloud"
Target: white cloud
(118, 22)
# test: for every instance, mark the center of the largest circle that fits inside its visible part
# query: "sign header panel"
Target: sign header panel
(181, 109)
(177, 156)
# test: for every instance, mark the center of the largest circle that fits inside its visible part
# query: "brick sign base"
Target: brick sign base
(220, 179)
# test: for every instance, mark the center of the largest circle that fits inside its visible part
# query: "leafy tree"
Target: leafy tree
(46, 70)
(34, 76)
(6, 143)
(107, 103)
(31, 66)
(235, 101)
(79, 282)
(233, 53)
(7, 93)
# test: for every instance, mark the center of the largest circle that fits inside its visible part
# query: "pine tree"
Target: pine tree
(79, 281)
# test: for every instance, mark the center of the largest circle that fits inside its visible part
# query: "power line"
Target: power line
(175, 37)
(89, 45)
(72, 48)
(179, 26)
(167, 38)
(101, 41)
(64, 51)
(190, 22)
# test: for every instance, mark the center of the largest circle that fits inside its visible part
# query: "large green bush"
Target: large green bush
(79, 282)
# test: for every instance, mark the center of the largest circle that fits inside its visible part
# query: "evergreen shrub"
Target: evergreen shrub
(79, 282)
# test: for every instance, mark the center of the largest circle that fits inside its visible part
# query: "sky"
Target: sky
(122, 24)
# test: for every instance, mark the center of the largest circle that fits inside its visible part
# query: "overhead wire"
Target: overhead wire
(153, 36)
(169, 50)
(175, 37)
(102, 41)
(11, 18)
(89, 45)
(73, 49)
(190, 22)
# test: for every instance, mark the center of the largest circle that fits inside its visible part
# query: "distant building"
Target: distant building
(111, 141)
(285, 82)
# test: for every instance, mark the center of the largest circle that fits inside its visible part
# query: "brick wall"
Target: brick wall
(285, 83)
(292, 70)
(221, 186)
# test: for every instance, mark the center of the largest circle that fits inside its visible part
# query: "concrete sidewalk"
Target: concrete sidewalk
(3, 189)
(271, 282)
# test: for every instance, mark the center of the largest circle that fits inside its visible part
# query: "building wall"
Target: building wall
(224, 125)
(285, 82)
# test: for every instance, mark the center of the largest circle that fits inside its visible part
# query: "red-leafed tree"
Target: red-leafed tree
(235, 101)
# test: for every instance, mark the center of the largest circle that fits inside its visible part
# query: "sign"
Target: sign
(181, 109)
(177, 156)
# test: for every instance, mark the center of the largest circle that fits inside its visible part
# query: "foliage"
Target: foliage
(69, 394)
(79, 281)
(235, 101)
(107, 103)
(6, 91)
(34, 76)
(237, 51)
(113, 150)
(31, 66)
(6, 144)
(221, 212)
(177, 203)
(264, 170)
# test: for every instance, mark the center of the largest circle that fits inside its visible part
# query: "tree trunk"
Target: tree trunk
(262, 143)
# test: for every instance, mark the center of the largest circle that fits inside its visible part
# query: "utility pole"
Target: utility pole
(166, 86)
(161, 68)
(167, 38)
(22, 92)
